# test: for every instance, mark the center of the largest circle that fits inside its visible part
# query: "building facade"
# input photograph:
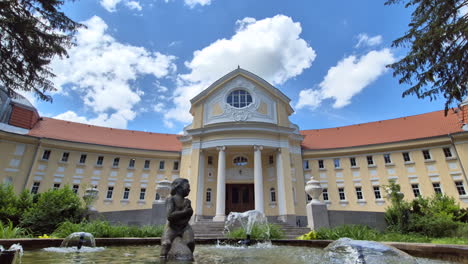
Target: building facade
(241, 152)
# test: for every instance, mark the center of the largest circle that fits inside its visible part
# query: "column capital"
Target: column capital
(221, 148)
(258, 148)
(278, 150)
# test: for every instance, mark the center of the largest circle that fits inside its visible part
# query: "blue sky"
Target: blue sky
(138, 62)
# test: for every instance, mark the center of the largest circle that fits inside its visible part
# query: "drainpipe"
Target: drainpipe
(32, 164)
(458, 157)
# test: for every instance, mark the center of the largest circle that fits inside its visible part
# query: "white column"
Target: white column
(221, 186)
(201, 186)
(280, 187)
(258, 178)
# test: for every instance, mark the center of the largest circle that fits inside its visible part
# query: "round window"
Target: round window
(239, 98)
(240, 161)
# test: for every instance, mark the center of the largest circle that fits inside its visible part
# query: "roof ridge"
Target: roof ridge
(110, 128)
(371, 122)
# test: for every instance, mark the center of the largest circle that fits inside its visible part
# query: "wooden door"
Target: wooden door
(239, 197)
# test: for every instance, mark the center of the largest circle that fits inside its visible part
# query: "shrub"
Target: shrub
(105, 229)
(358, 232)
(309, 236)
(7, 231)
(52, 208)
(259, 232)
(13, 207)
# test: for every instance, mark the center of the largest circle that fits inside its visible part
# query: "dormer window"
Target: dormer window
(239, 99)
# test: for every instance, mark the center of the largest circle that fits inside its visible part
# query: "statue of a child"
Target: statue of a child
(179, 212)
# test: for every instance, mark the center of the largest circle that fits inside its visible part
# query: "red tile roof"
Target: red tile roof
(76, 132)
(386, 131)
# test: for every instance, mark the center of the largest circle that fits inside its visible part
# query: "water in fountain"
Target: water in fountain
(77, 242)
(247, 221)
(79, 239)
(12, 255)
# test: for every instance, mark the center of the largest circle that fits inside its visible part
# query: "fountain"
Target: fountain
(247, 220)
(11, 255)
(78, 240)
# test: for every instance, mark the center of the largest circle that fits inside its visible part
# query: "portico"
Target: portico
(242, 151)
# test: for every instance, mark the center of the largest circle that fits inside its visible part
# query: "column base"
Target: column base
(219, 218)
(317, 216)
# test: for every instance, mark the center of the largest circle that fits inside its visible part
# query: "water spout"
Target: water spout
(78, 240)
(247, 220)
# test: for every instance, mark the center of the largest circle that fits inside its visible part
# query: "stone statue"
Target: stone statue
(178, 241)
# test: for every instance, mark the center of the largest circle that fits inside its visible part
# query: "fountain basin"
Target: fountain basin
(456, 253)
(258, 254)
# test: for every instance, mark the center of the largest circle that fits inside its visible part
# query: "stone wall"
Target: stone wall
(154, 216)
(371, 219)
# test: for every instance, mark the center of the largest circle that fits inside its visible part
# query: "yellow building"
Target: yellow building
(241, 152)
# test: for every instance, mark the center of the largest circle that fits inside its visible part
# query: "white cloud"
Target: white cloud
(102, 70)
(271, 48)
(111, 5)
(348, 78)
(193, 3)
(365, 40)
(134, 5)
(117, 120)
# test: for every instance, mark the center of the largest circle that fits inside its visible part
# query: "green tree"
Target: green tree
(32, 33)
(52, 208)
(12, 206)
(437, 60)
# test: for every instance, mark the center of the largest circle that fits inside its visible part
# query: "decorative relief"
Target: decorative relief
(233, 114)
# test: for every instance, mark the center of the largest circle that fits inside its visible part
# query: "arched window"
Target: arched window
(208, 195)
(240, 161)
(272, 195)
(239, 99)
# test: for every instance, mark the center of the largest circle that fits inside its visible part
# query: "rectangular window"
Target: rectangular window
(416, 191)
(447, 152)
(56, 186)
(142, 193)
(75, 188)
(337, 164)
(325, 194)
(83, 159)
(271, 160)
(460, 187)
(341, 194)
(437, 188)
(131, 163)
(161, 165)
(426, 154)
(358, 193)
(100, 160)
(406, 157)
(126, 193)
(208, 195)
(370, 160)
(272, 195)
(110, 191)
(306, 165)
(387, 158)
(320, 164)
(65, 156)
(210, 160)
(352, 161)
(46, 155)
(116, 162)
(377, 193)
(147, 164)
(176, 166)
(35, 187)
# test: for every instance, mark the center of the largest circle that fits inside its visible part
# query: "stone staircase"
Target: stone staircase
(206, 228)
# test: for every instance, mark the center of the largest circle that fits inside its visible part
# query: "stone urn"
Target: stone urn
(163, 188)
(313, 189)
(90, 197)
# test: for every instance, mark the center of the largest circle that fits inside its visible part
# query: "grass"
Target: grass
(8, 231)
(360, 232)
(105, 229)
(258, 232)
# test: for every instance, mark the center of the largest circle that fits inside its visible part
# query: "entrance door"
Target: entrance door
(239, 197)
